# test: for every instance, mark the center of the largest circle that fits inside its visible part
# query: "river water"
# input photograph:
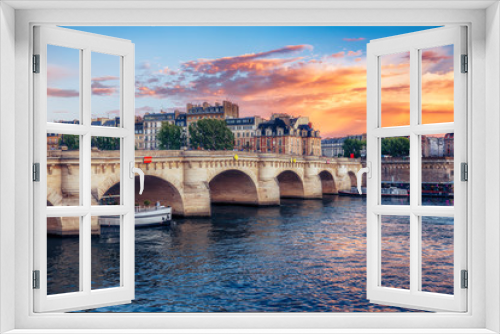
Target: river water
(303, 256)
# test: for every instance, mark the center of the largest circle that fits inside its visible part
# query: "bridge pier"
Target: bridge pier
(268, 192)
(196, 191)
(312, 187)
(69, 226)
(196, 199)
(312, 181)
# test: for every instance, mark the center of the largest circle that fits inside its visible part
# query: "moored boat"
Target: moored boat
(144, 216)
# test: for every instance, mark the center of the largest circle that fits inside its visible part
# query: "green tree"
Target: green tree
(71, 141)
(396, 147)
(353, 146)
(211, 134)
(105, 143)
(170, 137)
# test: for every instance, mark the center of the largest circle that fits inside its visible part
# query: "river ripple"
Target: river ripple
(303, 256)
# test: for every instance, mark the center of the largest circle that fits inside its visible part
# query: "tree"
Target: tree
(170, 137)
(211, 134)
(396, 147)
(353, 146)
(71, 141)
(105, 143)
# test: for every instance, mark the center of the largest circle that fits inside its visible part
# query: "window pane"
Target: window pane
(63, 85)
(395, 260)
(438, 169)
(105, 171)
(63, 255)
(395, 171)
(437, 85)
(106, 253)
(437, 254)
(395, 85)
(63, 169)
(105, 90)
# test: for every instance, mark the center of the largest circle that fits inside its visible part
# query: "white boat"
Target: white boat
(144, 216)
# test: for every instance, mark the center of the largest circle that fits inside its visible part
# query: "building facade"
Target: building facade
(53, 141)
(332, 147)
(152, 124)
(243, 130)
(438, 146)
(217, 111)
(139, 135)
(284, 134)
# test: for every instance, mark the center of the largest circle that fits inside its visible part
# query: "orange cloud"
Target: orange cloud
(354, 53)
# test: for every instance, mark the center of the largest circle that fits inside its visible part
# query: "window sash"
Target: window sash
(414, 298)
(86, 297)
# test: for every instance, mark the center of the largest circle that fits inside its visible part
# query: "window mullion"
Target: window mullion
(415, 243)
(85, 176)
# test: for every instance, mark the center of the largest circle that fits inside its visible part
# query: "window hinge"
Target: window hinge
(465, 64)
(36, 63)
(464, 171)
(36, 172)
(465, 279)
(36, 279)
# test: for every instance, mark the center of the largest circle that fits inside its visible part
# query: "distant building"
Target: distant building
(53, 141)
(244, 131)
(449, 145)
(217, 111)
(101, 121)
(332, 147)
(284, 134)
(438, 146)
(139, 135)
(152, 124)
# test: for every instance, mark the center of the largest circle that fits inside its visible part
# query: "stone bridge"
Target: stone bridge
(189, 181)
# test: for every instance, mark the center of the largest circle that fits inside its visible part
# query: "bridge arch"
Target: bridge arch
(156, 189)
(233, 186)
(353, 178)
(290, 184)
(328, 185)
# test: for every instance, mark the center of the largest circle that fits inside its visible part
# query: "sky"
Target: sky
(319, 72)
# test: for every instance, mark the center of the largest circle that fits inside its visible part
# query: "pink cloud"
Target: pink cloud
(105, 78)
(243, 61)
(57, 92)
(340, 54)
(333, 96)
(354, 39)
(355, 53)
(56, 73)
(98, 88)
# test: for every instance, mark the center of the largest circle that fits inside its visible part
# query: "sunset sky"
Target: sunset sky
(318, 72)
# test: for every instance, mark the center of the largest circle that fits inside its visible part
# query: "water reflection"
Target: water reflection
(303, 256)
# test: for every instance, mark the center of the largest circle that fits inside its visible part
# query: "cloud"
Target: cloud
(105, 78)
(354, 39)
(355, 53)
(101, 89)
(331, 94)
(57, 92)
(244, 61)
(340, 54)
(56, 73)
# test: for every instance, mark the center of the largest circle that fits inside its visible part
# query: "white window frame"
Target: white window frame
(484, 103)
